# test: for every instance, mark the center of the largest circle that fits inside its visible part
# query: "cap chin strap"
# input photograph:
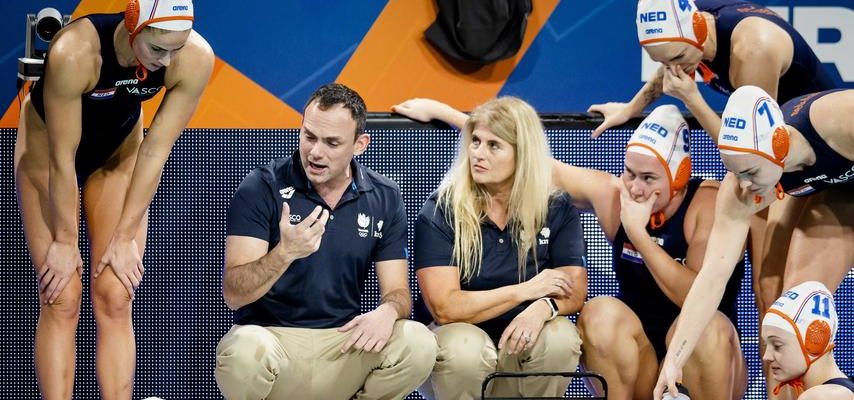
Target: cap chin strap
(707, 73)
(797, 385)
(657, 220)
(778, 191)
(141, 72)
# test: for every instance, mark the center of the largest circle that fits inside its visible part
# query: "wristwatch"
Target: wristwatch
(552, 305)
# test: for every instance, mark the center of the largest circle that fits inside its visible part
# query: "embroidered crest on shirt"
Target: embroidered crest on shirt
(287, 192)
(364, 222)
(544, 235)
(378, 233)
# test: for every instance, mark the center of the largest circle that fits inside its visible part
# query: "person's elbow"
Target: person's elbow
(574, 303)
(233, 299)
(443, 314)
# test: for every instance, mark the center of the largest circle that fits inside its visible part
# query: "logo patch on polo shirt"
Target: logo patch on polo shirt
(287, 192)
(364, 221)
(378, 233)
(544, 233)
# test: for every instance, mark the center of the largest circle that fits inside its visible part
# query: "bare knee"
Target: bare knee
(110, 299)
(717, 339)
(66, 307)
(769, 289)
(602, 322)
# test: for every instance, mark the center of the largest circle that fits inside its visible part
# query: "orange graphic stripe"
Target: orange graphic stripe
(395, 62)
(231, 99)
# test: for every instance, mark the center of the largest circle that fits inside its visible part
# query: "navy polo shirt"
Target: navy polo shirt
(324, 289)
(559, 244)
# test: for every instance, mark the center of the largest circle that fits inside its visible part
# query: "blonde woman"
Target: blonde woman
(499, 256)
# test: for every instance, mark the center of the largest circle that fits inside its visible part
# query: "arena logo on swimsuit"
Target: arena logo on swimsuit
(124, 82)
(815, 178)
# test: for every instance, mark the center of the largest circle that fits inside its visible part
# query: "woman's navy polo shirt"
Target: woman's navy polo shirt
(324, 289)
(560, 243)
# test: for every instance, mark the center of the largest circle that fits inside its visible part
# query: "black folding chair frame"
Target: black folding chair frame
(519, 375)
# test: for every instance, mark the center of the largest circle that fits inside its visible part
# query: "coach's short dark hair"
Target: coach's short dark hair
(335, 93)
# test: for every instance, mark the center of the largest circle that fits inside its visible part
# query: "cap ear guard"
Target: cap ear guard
(817, 338)
(683, 175)
(780, 143)
(701, 29)
(131, 15)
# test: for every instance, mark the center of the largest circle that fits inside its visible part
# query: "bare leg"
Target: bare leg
(822, 246)
(716, 369)
(103, 198)
(783, 216)
(768, 258)
(614, 345)
(57, 326)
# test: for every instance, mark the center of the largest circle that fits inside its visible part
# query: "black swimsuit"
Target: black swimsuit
(830, 167)
(113, 107)
(805, 75)
(638, 288)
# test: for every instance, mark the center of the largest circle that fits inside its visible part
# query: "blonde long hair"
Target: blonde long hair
(465, 202)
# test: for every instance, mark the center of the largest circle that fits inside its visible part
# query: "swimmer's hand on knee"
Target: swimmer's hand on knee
(122, 256)
(62, 260)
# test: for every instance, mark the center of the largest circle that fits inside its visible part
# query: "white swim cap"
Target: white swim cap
(664, 21)
(753, 123)
(664, 135)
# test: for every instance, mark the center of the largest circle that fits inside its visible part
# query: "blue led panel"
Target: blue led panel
(179, 313)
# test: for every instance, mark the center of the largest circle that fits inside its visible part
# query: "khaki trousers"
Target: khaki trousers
(254, 362)
(467, 355)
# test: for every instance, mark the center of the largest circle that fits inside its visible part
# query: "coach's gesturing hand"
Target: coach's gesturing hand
(303, 239)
